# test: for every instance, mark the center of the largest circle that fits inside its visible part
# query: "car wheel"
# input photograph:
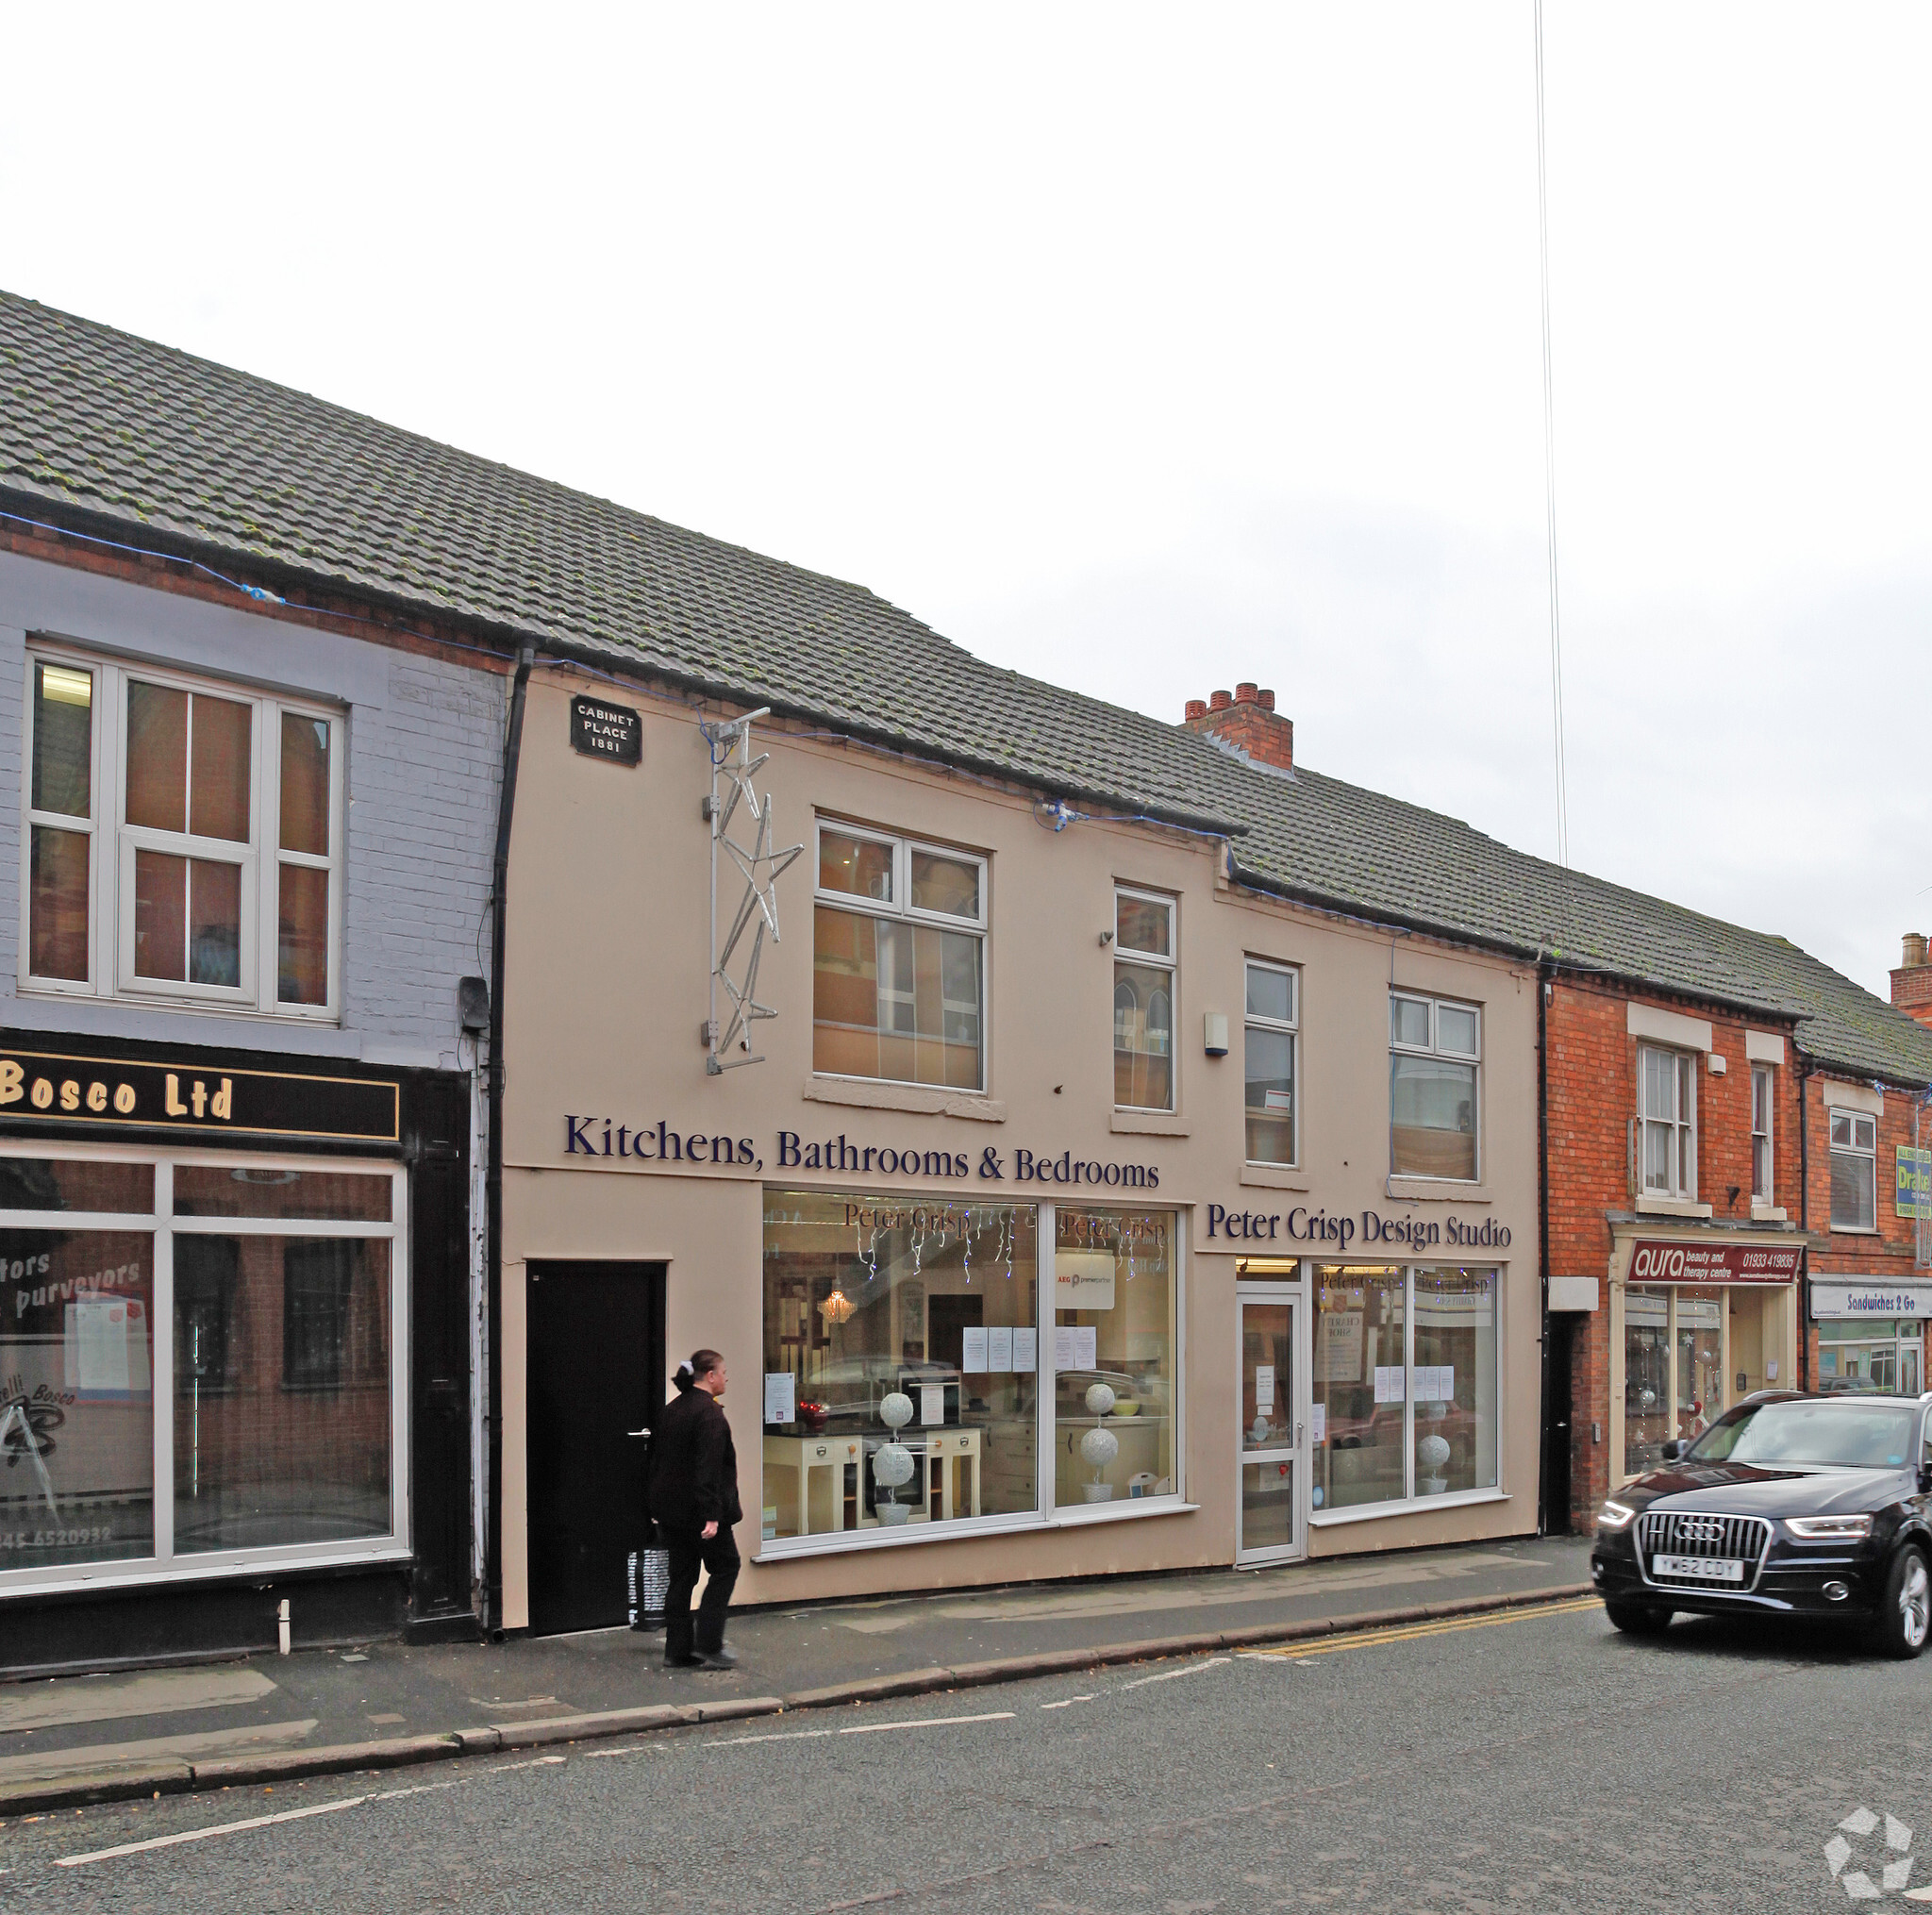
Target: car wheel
(1637, 1619)
(1904, 1620)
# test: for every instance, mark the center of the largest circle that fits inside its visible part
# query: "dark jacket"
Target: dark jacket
(694, 1465)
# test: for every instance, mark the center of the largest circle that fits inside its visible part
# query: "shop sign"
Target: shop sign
(42, 1086)
(1657, 1261)
(1842, 1300)
(1912, 1180)
(1304, 1224)
(603, 730)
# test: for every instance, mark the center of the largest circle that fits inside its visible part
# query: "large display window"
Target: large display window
(914, 1382)
(1403, 1393)
(198, 1362)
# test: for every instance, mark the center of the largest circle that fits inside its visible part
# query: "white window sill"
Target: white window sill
(1417, 1505)
(932, 1100)
(1855, 1230)
(1767, 1213)
(1438, 1190)
(245, 1008)
(1277, 1177)
(1151, 1124)
(1653, 1205)
(965, 1529)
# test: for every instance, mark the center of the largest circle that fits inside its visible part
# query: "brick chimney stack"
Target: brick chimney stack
(1247, 717)
(1911, 983)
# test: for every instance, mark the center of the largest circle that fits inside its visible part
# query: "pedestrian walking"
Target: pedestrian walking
(694, 1500)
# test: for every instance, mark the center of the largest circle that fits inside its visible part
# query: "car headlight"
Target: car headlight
(1615, 1515)
(1829, 1528)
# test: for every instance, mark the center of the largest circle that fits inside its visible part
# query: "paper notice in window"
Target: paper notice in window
(101, 1340)
(1278, 1100)
(1000, 1348)
(1318, 1425)
(1026, 1352)
(973, 1360)
(1063, 1347)
(1264, 1390)
(1388, 1382)
(932, 1402)
(1085, 1347)
(781, 1396)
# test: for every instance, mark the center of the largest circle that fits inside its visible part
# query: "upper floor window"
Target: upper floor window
(1854, 1171)
(185, 840)
(1272, 1031)
(1144, 992)
(898, 960)
(1760, 1133)
(1667, 1091)
(1435, 1058)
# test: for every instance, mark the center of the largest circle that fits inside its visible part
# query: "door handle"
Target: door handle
(644, 1432)
(1297, 1435)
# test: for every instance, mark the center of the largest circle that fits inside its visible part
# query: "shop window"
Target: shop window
(934, 1303)
(1667, 1088)
(1113, 1326)
(1700, 1384)
(1269, 1045)
(280, 1389)
(1144, 974)
(1435, 1061)
(1761, 1134)
(1854, 1171)
(1404, 1387)
(898, 960)
(184, 840)
(1646, 1378)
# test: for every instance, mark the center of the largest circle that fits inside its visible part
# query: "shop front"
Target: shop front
(1697, 1323)
(1870, 1333)
(231, 1350)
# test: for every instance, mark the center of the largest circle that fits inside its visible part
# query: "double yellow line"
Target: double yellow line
(1447, 1626)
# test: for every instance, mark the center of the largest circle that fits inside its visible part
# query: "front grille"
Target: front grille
(1693, 1533)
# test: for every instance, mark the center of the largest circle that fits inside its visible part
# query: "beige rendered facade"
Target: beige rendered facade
(1314, 1356)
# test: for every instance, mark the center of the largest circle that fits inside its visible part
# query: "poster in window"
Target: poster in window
(1338, 1347)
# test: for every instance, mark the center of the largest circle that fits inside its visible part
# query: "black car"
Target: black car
(1791, 1504)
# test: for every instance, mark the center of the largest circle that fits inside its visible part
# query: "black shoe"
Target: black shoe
(720, 1657)
(685, 1662)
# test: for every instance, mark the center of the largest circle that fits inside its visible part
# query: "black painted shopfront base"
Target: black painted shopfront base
(202, 1622)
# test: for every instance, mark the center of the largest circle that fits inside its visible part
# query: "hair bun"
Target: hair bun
(684, 1379)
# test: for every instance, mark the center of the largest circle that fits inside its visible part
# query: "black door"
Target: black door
(596, 1373)
(1556, 1431)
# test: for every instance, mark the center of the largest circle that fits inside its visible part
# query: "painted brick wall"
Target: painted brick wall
(425, 736)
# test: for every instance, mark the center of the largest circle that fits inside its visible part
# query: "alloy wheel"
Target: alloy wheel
(1915, 1601)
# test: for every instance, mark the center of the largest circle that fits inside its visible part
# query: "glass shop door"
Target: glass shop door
(1272, 1428)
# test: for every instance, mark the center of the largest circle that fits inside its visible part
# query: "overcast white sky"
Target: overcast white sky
(1148, 349)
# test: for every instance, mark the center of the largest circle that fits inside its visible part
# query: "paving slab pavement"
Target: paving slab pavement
(395, 1702)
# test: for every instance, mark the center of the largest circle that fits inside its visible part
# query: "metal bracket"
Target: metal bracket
(759, 867)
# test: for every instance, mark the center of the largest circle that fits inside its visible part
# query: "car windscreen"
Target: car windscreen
(1851, 1436)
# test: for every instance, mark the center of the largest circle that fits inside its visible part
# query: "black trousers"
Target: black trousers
(719, 1556)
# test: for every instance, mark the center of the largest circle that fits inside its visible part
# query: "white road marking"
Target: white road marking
(168, 1842)
(1170, 1674)
(1005, 1715)
(539, 1763)
(1068, 1703)
(1276, 1656)
(738, 1741)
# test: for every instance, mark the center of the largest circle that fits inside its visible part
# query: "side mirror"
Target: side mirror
(1674, 1449)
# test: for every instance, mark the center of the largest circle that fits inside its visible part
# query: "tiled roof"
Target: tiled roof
(120, 431)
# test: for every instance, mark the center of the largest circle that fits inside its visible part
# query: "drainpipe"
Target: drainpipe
(505, 810)
(1805, 1227)
(1543, 987)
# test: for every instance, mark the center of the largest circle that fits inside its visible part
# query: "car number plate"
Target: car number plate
(1698, 1569)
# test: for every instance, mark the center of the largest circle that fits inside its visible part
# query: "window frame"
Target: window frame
(1683, 1128)
(1434, 1049)
(1148, 960)
(113, 844)
(900, 910)
(1764, 1084)
(1855, 1152)
(160, 1224)
(1291, 1029)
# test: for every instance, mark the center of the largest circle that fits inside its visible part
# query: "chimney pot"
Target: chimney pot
(1914, 950)
(1197, 708)
(1244, 693)
(1266, 700)
(1219, 701)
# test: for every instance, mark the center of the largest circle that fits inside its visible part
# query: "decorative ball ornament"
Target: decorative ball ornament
(896, 1411)
(1432, 1453)
(891, 1466)
(1100, 1446)
(1647, 1398)
(1099, 1400)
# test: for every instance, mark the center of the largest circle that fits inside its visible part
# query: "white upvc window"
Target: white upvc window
(1146, 961)
(1854, 1171)
(1271, 1044)
(184, 840)
(1435, 1071)
(1667, 1090)
(1761, 1134)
